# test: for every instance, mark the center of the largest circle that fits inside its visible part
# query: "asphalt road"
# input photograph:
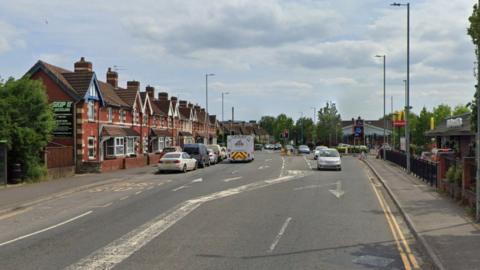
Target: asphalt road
(273, 213)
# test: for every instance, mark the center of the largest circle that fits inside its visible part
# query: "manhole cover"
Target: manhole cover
(373, 261)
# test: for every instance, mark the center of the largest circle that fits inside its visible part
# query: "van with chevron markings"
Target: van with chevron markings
(240, 148)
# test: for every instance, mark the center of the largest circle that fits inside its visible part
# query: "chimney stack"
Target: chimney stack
(134, 85)
(83, 66)
(112, 78)
(174, 99)
(163, 96)
(183, 103)
(150, 92)
(190, 105)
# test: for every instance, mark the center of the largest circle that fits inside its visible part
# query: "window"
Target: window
(109, 114)
(135, 116)
(161, 143)
(110, 147)
(91, 91)
(122, 116)
(91, 110)
(145, 119)
(91, 148)
(119, 147)
(130, 145)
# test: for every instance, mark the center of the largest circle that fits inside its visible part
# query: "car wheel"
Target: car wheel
(160, 171)
(196, 166)
(184, 170)
(318, 168)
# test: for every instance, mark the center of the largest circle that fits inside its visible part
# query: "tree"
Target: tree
(460, 109)
(474, 33)
(329, 127)
(27, 123)
(441, 112)
(268, 124)
(282, 122)
(422, 125)
(304, 128)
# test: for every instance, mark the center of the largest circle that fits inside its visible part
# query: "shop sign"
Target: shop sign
(63, 113)
(454, 123)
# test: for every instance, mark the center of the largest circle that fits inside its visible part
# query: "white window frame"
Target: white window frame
(119, 144)
(110, 114)
(161, 143)
(91, 110)
(110, 147)
(91, 147)
(130, 145)
(122, 116)
(145, 145)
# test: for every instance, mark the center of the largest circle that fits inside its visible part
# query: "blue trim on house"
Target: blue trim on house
(99, 96)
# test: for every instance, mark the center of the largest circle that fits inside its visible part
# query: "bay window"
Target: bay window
(119, 146)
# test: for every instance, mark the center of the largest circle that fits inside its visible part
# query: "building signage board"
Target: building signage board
(63, 113)
(454, 123)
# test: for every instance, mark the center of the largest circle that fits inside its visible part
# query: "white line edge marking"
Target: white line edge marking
(197, 180)
(178, 188)
(46, 229)
(232, 179)
(124, 198)
(114, 253)
(279, 235)
(138, 192)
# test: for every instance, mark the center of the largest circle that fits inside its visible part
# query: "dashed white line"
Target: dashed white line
(46, 229)
(234, 172)
(150, 187)
(279, 235)
(124, 198)
(197, 180)
(308, 163)
(180, 187)
(138, 192)
(232, 179)
(103, 206)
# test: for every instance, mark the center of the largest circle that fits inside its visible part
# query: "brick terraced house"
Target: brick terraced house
(104, 127)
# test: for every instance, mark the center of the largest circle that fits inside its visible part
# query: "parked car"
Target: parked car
(199, 152)
(277, 146)
(329, 159)
(212, 156)
(223, 152)
(303, 149)
(289, 148)
(171, 149)
(317, 151)
(269, 147)
(258, 146)
(177, 161)
(216, 149)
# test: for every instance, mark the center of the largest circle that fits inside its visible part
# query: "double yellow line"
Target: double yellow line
(406, 254)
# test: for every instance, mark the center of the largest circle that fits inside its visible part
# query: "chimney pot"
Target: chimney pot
(163, 96)
(83, 66)
(150, 92)
(134, 85)
(112, 78)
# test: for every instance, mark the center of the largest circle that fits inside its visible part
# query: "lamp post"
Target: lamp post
(384, 118)
(314, 132)
(205, 140)
(301, 130)
(407, 105)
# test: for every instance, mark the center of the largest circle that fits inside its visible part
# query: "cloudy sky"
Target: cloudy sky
(271, 56)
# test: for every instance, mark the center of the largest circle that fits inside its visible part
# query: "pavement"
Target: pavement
(448, 235)
(273, 213)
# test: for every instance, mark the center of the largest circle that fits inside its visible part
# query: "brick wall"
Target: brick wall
(135, 162)
(112, 164)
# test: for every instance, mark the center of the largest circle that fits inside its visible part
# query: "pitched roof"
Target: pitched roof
(185, 112)
(116, 131)
(127, 95)
(80, 81)
(213, 119)
(162, 105)
(110, 96)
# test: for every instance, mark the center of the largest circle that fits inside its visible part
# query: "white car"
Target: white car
(213, 157)
(177, 161)
(317, 151)
(329, 159)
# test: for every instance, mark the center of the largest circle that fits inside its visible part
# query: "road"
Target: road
(273, 213)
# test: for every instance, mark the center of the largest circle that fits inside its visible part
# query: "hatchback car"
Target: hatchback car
(329, 159)
(177, 161)
(213, 157)
(317, 151)
(303, 149)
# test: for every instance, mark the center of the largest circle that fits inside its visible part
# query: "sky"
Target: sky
(270, 56)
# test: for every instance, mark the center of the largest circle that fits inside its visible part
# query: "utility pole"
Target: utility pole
(477, 137)
(392, 139)
(207, 135)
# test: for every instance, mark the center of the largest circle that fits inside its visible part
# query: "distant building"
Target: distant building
(371, 134)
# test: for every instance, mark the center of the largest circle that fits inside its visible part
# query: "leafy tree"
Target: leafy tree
(474, 33)
(282, 122)
(27, 123)
(421, 126)
(268, 124)
(460, 109)
(304, 129)
(441, 112)
(329, 127)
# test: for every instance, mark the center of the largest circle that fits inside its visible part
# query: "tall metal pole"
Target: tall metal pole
(392, 139)
(206, 137)
(384, 101)
(407, 111)
(477, 144)
(222, 107)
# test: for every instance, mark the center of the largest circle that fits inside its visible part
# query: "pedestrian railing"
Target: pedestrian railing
(423, 169)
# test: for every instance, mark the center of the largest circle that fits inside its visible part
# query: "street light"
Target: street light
(205, 140)
(301, 132)
(384, 118)
(223, 93)
(314, 133)
(407, 105)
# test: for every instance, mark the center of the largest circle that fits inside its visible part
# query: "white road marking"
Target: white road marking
(283, 167)
(261, 167)
(314, 186)
(279, 235)
(197, 180)
(149, 187)
(338, 192)
(103, 206)
(308, 163)
(267, 160)
(180, 187)
(138, 192)
(124, 198)
(46, 229)
(234, 172)
(160, 184)
(114, 253)
(232, 179)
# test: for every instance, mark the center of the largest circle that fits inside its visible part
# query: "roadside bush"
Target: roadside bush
(458, 175)
(451, 173)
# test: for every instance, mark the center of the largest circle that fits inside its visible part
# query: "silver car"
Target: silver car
(329, 159)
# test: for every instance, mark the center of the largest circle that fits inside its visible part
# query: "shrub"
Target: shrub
(451, 173)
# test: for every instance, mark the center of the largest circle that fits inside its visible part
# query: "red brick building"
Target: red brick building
(107, 127)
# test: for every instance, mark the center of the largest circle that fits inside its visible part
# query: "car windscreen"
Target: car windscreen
(191, 150)
(329, 153)
(171, 156)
